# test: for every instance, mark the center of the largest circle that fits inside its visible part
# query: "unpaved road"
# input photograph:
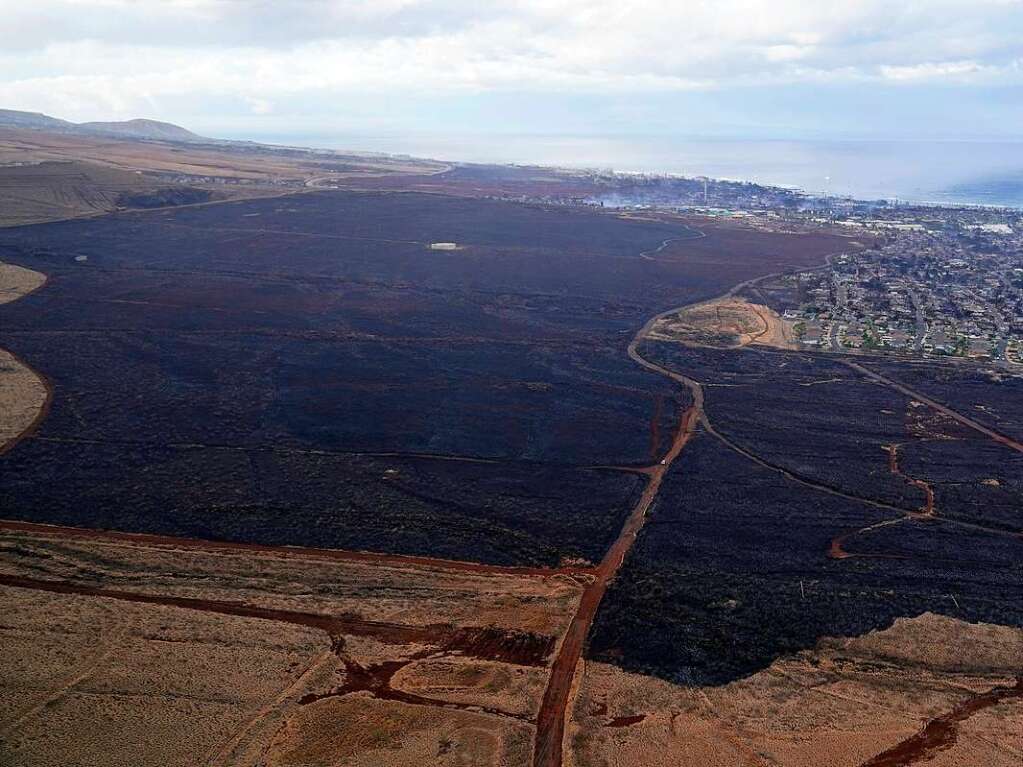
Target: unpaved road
(942, 732)
(485, 644)
(1009, 442)
(550, 722)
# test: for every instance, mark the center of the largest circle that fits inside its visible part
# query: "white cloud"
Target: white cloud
(91, 58)
(931, 70)
(787, 52)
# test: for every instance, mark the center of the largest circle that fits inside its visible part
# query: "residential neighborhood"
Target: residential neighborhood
(952, 291)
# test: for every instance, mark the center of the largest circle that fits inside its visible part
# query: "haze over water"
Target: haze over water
(970, 172)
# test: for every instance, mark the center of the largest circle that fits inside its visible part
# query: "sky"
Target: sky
(898, 69)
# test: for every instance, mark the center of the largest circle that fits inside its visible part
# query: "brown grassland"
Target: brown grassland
(23, 394)
(156, 655)
(48, 176)
(843, 703)
(183, 657)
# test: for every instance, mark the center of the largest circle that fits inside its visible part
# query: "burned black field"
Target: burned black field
(307, 370)
(988, 396)
(817, 503)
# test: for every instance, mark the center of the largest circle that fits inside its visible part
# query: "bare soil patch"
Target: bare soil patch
(517, 689)
(728, 323)
(369, 732)
(52, 176)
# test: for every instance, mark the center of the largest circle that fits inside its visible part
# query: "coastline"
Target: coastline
(857, 169)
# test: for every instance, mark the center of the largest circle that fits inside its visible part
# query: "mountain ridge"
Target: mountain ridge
(138, 128)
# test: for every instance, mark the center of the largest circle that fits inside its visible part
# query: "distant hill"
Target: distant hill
(152, 130)
(11, 118)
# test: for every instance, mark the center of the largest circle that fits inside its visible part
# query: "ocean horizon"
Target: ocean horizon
(926, 171)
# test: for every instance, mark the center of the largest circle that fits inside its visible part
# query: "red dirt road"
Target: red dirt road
(1009, 442)
(550, 723)
(893, 466)
(513, 647)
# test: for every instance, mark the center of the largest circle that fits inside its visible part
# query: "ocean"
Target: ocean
(971, 172)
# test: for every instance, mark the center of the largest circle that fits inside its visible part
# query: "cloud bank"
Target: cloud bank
(88, 59)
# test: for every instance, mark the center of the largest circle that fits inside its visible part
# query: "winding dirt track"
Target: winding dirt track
(695, 234)
(893, 467)
(928, 511)
(941, 733)
(837, 549)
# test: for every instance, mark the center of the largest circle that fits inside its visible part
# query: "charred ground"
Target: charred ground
(306, 370)
(815, 502)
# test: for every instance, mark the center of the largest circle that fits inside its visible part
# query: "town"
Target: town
(944, 280)
(954, 290)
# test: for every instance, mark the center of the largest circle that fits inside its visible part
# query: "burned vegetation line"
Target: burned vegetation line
(372, 558)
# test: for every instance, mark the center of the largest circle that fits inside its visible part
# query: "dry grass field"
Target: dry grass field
(843, 704)
(48, 176)
(249, 162)
(49, 191)
(97, 682)
(23, 394)
(17, 281)
(160, 655)
(157, 654)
